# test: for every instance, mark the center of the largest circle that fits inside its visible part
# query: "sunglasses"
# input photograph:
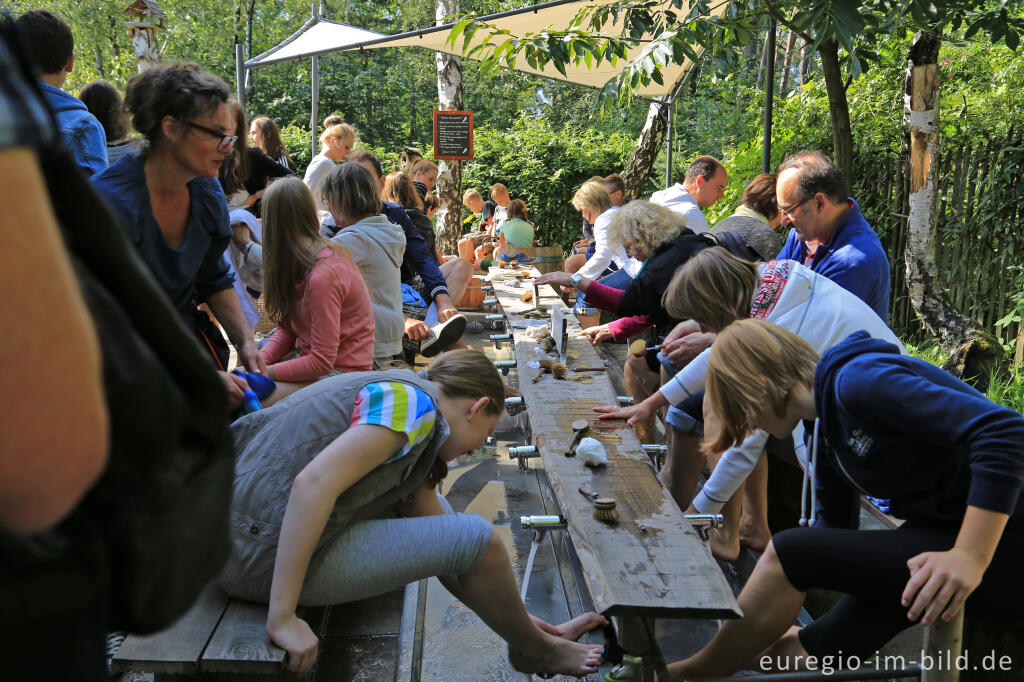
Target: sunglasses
(226, 139)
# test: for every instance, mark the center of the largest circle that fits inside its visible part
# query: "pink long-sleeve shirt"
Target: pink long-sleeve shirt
(332, 323)
(608, 298)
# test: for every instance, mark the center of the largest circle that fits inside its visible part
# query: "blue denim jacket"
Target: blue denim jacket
(82, 132)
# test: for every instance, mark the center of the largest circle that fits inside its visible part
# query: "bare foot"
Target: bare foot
(575, 628)
(756, 536)
(557, 656)
(725, 545)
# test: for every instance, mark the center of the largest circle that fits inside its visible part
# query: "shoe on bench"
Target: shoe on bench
(443, 335)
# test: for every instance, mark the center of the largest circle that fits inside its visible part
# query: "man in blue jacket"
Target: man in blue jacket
(48, 39)
(829, 233)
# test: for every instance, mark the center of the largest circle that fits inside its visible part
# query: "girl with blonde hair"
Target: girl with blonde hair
(948, 460)
(352, 511)
(335, 144)
(714, 289)
(313, 291)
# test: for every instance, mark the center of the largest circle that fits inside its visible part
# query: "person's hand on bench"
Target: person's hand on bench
(298, 639)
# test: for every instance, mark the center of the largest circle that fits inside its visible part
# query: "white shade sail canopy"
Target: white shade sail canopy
(320, 36)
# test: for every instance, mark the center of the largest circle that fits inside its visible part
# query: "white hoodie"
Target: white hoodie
(814, 308)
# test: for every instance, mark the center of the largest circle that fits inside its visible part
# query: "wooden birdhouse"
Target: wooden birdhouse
(146, 15)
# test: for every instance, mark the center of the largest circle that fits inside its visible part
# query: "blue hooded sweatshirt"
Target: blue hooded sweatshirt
(853, 258)
(82, 132)
(902, 429)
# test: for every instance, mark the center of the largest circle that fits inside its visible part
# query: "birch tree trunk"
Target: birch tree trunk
(787, 63)
(645, 153)
(973, 353)
(147, 53)
(448, 218)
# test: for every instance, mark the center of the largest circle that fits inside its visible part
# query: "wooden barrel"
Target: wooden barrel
(473, 298)
(549, 258)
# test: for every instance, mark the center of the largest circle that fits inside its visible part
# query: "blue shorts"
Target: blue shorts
(688, 415)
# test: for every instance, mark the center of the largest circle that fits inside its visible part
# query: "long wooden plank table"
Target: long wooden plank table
(651, 564)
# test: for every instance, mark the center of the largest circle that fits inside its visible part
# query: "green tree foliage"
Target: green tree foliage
(544, 169)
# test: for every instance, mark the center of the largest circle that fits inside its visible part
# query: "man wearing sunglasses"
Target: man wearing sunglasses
(829, 233)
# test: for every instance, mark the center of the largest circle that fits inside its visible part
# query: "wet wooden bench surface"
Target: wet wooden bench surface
(651, 564)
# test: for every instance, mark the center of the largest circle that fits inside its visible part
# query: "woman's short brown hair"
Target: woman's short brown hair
(760, 195)
(517, 209)
(714, 288)
(753, 365)
(399, 189)
(351, 192)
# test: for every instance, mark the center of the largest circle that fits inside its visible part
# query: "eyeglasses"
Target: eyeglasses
(788, 212)
(226, 140)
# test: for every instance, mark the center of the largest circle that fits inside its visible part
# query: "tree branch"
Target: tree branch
(783, 21)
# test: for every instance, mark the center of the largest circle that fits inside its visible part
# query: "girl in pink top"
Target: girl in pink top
(313, 291)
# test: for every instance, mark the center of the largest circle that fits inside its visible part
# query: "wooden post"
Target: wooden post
(943, 642)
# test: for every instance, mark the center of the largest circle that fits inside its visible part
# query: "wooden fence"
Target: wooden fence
(979, 240)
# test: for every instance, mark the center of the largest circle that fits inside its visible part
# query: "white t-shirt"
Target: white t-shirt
(603, 253)
(678, 200)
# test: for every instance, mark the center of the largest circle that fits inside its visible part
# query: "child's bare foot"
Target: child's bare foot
(575, 628)
(756, 536)
(557, 656)
(725, 543)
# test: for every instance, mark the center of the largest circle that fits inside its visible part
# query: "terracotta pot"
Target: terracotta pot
(473, 298)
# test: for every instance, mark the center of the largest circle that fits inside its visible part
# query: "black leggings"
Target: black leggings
(870, 568)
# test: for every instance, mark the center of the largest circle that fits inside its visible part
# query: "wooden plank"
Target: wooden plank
(241, 643)
(650, 564)
(178, 648)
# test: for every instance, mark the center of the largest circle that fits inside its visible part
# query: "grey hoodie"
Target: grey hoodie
(377, 246)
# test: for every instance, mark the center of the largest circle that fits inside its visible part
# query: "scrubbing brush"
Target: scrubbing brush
(604, 507)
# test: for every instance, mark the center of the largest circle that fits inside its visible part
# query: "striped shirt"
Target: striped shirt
(400, 407)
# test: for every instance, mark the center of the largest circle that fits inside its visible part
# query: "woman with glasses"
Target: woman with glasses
(172, 207)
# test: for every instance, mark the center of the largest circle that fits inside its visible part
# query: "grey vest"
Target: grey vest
(275, 444)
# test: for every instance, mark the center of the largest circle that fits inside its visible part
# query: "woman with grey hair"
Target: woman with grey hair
(374, 243)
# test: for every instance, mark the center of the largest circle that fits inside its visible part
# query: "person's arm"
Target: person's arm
(91, 146)
(940, 582)
(731, 471)
(418, 253)
(687, 382)
(225, 307)
(597, 263)
(280, 343)
(325, 294)
(348, 458)
(51, 361)
(628, 327)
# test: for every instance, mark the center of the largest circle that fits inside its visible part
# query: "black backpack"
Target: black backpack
(154, 529)
(162, 504)
(733, 242)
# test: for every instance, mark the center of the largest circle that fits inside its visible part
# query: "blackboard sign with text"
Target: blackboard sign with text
(453, 135)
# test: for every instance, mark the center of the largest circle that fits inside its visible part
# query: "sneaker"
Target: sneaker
(443, 335)
(475, 327)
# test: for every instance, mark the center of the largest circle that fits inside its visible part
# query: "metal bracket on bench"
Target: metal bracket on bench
(490, 304)
(514, 405)
(656, 453)
(504, 366)
(523, 453)
(625, 400)
(704, 523)
(495, 322)
(498, 339)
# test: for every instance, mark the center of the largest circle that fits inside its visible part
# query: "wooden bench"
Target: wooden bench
(219, 638)
(650, 565)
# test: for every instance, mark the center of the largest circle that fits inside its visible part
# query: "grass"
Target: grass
(1007, 390)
